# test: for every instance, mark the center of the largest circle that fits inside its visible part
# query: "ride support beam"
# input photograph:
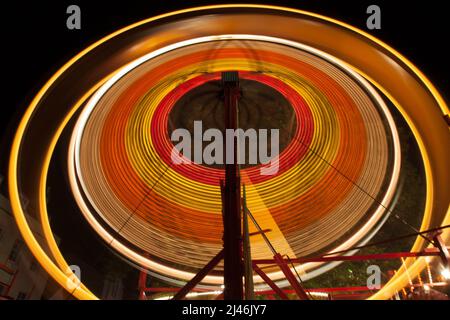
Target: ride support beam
(378, 256)
(142, 284)
(248, 268)
(199, 276)
(443, 249)
(271, 284)
(294, 282)
(231, 195)
(278, 259)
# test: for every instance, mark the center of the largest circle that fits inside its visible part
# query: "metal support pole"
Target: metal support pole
(232, 233)
(142, 284)
(301, 293)
(443, 250)
(260, 230)
(199, 276)
(269, 281)
(278, 259)
(377, 256)
(249, 291)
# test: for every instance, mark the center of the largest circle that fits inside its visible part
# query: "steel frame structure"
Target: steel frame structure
(233, 252)
(283, 293)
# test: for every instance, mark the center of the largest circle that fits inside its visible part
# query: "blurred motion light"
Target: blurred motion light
(446, 273)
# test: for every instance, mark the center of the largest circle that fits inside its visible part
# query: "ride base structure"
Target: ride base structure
(236, 253)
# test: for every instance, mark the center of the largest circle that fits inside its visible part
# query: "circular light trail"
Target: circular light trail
(182, 224)
(374, 67)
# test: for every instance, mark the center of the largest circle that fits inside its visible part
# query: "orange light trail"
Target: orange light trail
(379, 60)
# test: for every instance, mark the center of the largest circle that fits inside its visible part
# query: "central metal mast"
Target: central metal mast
(231, 195)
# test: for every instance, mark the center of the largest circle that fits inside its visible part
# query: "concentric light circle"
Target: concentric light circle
(173, 212)
(343, 117)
